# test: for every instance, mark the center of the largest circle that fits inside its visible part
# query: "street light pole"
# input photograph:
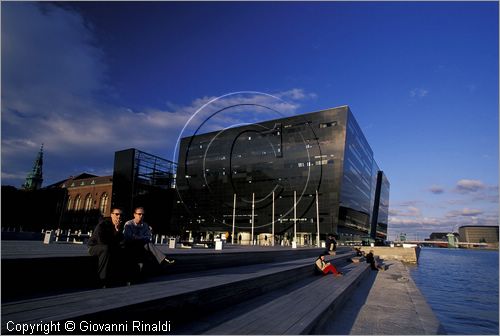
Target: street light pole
(253, 213)
(273, 222)
(234, 217)
(317, 219)
(294, 218)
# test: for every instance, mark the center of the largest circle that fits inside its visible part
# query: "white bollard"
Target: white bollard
(218, 245)
(49, 237)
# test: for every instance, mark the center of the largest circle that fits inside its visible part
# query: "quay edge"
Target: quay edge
(404, 254)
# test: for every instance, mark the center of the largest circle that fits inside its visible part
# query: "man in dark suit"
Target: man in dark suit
(106, 245)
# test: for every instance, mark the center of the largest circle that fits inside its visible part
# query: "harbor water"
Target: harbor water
(461, 286)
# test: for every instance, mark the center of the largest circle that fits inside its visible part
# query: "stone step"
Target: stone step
(301, 311)
(29, 276)
(179, 297)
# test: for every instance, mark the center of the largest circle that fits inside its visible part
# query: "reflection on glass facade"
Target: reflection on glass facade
(380, 214)
(277, 167)
(383, 210)
(142, 179)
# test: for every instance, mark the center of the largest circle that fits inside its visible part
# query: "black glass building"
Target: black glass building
(145, 180)
(284, 176)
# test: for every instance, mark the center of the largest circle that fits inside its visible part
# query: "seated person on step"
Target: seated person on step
(106, 245)
(331, 245)
(323, 267)
(370, 258)
(138, 239)
(359, 253)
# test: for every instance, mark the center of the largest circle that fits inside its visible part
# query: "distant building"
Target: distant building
(88, 192)
(139, 179)
(35, 177)
(87, 198)
(77, 203)
(440, 236)
(292, 168)
(478, 234)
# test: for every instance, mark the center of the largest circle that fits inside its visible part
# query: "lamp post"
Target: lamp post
(273, 223)
(234, 217)
(294, 244)
(317, 219)
(253, 214)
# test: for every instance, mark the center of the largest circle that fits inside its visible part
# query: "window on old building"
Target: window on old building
(88, 202)
(103, 203)
(78, 202)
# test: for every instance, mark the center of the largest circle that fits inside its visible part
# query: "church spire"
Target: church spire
(35, 178)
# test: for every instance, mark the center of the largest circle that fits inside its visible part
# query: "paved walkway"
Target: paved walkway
(386, 303)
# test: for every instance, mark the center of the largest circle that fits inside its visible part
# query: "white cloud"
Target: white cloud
(405, 222)
(53, 75)
(55, 51)
(466, 186)
(464, 212)
(471, 212)
(409, 211)
(406, 217)
(51, 70)
(296, 94)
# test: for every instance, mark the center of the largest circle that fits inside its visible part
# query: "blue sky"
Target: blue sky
(87, 79)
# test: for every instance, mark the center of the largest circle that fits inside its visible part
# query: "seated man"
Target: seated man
(331, 245)
(138, 239)
(105, 244)
(370, 258)
(323, 267)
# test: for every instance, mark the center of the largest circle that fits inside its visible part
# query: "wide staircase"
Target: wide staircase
(251, 292)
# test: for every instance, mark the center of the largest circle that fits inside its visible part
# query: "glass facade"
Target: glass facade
(356, 184)
(142, 179)
(383, 212)
(277, 167)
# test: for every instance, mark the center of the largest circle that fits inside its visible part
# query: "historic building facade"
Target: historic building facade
(89, 192)
(139, 179)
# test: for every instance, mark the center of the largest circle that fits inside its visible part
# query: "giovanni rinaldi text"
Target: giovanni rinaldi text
(47, 328)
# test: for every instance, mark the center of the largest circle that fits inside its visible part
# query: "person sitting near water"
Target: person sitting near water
(138, 239)
(323, 267)
(370, 258)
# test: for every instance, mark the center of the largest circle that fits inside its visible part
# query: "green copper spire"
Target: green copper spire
(35, 178)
